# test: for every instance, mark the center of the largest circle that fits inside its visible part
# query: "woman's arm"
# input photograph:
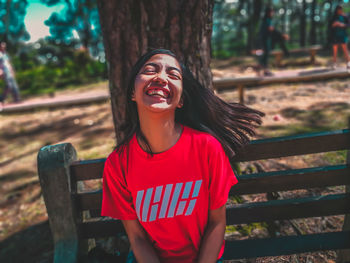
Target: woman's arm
(338, 24)
(140, 244)
(213, 236)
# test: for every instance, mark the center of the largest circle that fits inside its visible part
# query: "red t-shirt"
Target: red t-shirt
(170, 193)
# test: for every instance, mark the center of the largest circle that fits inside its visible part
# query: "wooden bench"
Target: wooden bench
(60, 173)
(241, 83)
(278, 54)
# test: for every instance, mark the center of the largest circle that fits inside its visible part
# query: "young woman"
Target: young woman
(338, 25)
(169, 179)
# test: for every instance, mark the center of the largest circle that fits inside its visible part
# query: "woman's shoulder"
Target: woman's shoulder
(203, 138)
(118, 155)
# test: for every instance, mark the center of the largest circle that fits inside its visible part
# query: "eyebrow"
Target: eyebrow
(157, 66)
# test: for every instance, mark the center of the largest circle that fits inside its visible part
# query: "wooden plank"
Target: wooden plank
(262, 211)
(103, 228)
(53, 164)
(298, 50)
(50, 104)
(241, 93)
(258, 149)
(295, 145)
(258, 183)
(286, 245)
(292, 179)
(89, 200)
(288, 209)
(324, 74)
(344, 255)
(87, 170)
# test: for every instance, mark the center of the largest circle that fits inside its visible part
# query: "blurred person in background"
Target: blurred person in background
(338, 35)
(269, 37)
(8, 75)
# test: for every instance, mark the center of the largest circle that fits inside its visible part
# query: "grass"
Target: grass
(334, 158)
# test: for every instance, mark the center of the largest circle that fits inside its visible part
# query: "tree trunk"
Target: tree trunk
(130, 27)
(329, 17)
(253, 23)
(303, 24)
(313, 36)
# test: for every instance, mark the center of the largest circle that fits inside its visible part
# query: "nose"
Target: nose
(161, 77)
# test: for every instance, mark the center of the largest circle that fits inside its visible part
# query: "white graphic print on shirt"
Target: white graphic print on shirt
(147, 210)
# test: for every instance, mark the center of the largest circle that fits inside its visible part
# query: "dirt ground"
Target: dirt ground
(290, 109)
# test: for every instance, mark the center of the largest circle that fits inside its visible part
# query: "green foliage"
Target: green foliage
(12, 28)
(236, 24)
(45, 79)
(44, 67)
(246, 230)
(334, 158)
(78, 20)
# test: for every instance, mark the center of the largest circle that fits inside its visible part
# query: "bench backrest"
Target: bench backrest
(263, 182)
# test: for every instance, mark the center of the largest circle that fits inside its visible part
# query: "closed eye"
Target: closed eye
(174, 74)
(149, 69)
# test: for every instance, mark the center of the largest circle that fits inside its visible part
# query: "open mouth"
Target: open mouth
(156, 91)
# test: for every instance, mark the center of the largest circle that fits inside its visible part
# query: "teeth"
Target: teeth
(155, 92)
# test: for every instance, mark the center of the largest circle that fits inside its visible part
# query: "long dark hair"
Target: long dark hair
(335, 13)
(268, 11)
(230, 123)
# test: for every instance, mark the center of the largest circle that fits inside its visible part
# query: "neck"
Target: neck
(161, 131)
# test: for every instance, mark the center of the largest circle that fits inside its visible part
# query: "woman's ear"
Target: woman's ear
(133, 95)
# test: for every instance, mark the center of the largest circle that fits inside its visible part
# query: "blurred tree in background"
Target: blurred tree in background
(74, 51)
(46, 66)
(237, 22)
(80, 20)
(72, 55)
(12, 28)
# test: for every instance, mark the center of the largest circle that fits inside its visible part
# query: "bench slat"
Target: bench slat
(295, 145)
(259, 183)
(87, 170)
(271, 210)
(288, 209)
(89, 200)
(286, 245)
(103, 228)
(258, 149)
(292, 179)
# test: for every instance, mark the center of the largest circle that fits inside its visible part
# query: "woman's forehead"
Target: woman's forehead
(164, 59)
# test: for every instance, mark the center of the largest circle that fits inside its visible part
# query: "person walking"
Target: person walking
(338, 35)
(269, 37)
(8, 75)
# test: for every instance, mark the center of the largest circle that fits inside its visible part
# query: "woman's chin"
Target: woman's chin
(160, 107)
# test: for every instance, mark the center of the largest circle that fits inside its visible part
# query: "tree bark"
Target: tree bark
(329, 17)
(254, 16)
(303, 24)
(313, 35)
(130, 27)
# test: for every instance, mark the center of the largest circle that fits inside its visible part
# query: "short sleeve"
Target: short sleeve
(269, 23)
(222, 177)
(117, 201)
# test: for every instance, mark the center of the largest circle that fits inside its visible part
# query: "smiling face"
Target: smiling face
(158, 85)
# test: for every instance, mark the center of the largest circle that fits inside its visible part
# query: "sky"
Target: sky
(37, 13)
